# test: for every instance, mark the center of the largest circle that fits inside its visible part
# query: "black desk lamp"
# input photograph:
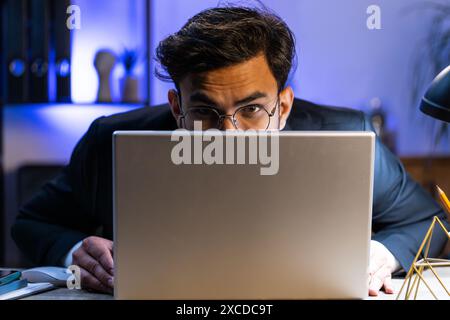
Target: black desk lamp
(436, 101)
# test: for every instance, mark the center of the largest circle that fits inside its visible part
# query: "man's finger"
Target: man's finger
(375, 266)
(375, 286)
(377, 280)
(91, 265)
(106, 260)
(101, 252)
(88, 281)
(388, 285)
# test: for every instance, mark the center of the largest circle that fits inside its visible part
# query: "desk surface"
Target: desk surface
(66, 294)
(444, 273)
(423, 293)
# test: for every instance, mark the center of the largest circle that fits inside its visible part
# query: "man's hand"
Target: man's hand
(95, 259)
(382, 265)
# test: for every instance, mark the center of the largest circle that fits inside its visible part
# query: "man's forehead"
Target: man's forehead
(250, 78)
(237, 100)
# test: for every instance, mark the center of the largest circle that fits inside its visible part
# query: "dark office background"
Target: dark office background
(341, 62)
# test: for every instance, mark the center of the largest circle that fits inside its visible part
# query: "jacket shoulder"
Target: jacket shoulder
(145, 118)
(306, 115)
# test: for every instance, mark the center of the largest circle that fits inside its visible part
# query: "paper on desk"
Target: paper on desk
(32, 288)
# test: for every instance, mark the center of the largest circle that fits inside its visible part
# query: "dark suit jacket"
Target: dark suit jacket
(79, 200)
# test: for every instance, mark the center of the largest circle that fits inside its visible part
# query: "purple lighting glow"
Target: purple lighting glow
(105, 24)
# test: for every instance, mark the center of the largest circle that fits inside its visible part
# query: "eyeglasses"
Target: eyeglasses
(244, 118)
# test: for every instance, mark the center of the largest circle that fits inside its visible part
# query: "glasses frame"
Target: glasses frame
(222, 117)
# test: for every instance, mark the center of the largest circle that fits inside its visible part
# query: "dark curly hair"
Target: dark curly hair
(225, 36)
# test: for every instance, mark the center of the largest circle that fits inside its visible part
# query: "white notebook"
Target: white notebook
(31, 289)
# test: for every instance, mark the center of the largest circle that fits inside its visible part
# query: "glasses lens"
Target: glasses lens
(208, 117)
(252, 117)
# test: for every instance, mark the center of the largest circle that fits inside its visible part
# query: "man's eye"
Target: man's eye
(250, 111)
(254, 108)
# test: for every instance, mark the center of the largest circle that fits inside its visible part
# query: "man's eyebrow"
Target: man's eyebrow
(201, 97)
(250, 98)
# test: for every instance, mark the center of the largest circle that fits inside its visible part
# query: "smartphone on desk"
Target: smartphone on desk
(9, 275)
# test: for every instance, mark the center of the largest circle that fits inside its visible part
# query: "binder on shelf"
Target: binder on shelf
(39, 50)
(15, 45)
(2, 65)
(62, 47)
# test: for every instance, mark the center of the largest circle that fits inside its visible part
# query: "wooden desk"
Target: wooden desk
(66, 294)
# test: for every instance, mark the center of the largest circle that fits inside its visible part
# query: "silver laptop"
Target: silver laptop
(194, 218)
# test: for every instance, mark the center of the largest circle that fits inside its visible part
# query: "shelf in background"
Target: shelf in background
(100, 104)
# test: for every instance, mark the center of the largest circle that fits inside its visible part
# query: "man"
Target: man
(227, 64)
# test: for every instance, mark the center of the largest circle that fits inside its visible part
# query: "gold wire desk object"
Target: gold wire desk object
(415, 273)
